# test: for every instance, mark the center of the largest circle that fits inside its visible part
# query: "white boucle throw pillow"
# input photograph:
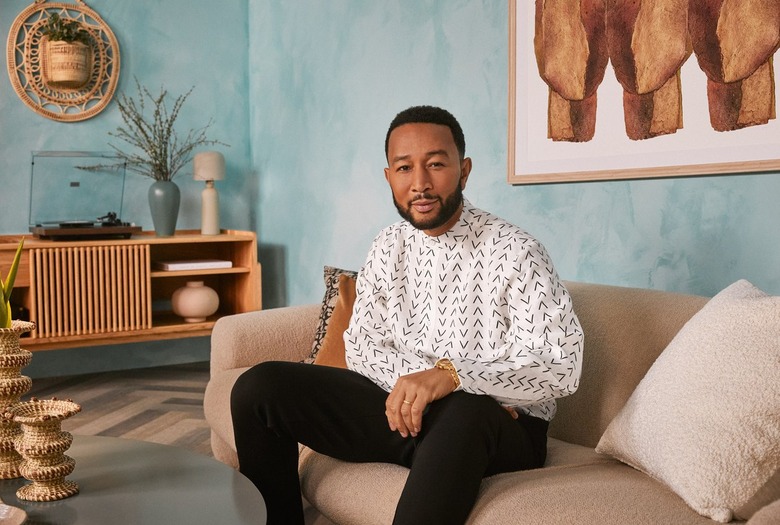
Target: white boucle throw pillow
(705, 420)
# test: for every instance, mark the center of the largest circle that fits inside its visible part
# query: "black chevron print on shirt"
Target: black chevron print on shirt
(485, 295)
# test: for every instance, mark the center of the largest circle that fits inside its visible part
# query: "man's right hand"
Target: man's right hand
(412, 394)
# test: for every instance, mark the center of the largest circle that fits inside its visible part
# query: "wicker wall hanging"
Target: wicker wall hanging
(31, 68)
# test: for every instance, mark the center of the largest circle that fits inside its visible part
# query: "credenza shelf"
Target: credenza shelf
(190, 273)
(105, 292)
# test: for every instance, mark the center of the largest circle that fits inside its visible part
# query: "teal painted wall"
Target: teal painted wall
(326, 78)
(304, 91)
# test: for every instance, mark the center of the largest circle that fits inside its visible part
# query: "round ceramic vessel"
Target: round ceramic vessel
(195, 302)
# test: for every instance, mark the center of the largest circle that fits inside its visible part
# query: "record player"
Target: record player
(68, 202)
(106, 227)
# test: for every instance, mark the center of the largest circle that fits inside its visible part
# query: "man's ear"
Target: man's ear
(465, 170)
(387, 174)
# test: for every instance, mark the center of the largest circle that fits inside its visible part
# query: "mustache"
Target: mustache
(426, 196)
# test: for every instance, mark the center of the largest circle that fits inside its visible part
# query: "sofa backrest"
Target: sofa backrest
(626, 329)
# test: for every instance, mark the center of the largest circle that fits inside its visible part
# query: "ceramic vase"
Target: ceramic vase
(42, 444)
(13, 386)
(195, 301)
(164, 199)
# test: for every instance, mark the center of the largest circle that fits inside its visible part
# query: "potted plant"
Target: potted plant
(12, 359)
(157, 150)
(67, 52)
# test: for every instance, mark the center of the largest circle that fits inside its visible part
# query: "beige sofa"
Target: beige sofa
(625, 331)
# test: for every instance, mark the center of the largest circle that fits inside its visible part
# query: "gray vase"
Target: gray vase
(164, 198)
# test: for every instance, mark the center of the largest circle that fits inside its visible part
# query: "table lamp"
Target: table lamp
(209, 166)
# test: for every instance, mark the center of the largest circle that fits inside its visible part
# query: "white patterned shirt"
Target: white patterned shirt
(485, 295)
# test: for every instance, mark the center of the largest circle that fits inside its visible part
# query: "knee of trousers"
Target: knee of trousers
(261, 383)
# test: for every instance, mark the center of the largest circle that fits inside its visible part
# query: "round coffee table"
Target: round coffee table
(128, 481)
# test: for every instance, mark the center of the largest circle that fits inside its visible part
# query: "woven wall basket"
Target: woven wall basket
(66, 65)
(55, 87)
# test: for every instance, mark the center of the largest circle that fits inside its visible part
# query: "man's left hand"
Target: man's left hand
(412, 393)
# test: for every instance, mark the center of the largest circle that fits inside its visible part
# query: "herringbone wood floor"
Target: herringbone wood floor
(161, 405)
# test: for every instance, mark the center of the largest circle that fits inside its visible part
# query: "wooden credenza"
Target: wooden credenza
(97, 292)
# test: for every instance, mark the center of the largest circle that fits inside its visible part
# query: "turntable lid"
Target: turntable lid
(61, 192)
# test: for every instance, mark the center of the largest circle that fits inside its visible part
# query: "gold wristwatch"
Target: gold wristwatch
(446, 364)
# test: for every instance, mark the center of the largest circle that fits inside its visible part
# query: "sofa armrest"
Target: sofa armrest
(278, 334)
(768, 515)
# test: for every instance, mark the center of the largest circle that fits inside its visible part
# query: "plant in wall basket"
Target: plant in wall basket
(66, 53)
(157, 150)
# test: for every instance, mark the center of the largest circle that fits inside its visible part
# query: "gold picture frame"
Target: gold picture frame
(693, 149)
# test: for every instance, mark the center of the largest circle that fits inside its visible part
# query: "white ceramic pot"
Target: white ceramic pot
(195, 301)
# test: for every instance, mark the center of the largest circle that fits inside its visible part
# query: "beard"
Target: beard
(449, 207)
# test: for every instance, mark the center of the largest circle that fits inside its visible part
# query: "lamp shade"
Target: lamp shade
(208, 165)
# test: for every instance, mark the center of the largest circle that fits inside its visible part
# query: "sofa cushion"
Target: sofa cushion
(626, 329)
(769, 515)
(581, 487)
(705, 419)
(331, 275)
(332, 350)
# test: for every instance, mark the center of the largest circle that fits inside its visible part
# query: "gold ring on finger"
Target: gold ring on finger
(406, 402)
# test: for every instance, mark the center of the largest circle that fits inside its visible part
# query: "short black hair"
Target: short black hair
(429, 115)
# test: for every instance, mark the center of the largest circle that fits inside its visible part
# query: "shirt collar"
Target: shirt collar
(459, 230)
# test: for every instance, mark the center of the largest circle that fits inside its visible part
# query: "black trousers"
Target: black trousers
(340, 413)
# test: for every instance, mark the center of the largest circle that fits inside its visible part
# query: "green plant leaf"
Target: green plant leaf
(9, 280)
(8, 287)
(65, 30)
(5, 310)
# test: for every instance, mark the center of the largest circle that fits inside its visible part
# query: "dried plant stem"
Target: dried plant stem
(157, 150)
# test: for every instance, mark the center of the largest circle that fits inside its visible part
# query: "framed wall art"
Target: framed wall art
(614, 90)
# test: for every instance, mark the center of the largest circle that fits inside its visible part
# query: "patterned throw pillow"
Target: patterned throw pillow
(705, 419)
(331, 276)
(333, 351)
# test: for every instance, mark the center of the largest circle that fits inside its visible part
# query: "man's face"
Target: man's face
(426, 176)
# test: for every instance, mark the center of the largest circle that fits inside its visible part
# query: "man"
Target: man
(461, 338)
